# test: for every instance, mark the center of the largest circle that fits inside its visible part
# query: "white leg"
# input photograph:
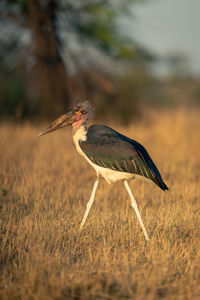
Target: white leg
(134, 205)
(90, 202)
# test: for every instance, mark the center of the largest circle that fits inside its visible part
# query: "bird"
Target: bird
(114, 156)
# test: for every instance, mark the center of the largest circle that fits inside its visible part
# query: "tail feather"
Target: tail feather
(161, 184)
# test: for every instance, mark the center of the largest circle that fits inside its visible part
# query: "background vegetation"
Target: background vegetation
(54, 53)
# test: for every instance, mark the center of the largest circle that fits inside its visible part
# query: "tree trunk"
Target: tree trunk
(50, 69)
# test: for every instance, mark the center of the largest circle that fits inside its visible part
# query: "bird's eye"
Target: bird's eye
(83, 112)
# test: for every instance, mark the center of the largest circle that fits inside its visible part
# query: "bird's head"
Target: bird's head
(76, 117)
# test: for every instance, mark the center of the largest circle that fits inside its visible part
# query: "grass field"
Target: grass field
(45, 186)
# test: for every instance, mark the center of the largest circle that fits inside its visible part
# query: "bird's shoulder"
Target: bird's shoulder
(99, 131)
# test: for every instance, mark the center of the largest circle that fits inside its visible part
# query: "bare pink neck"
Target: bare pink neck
(77, 125)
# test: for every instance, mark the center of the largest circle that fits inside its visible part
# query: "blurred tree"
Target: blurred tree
(52, 72)
(65, 44)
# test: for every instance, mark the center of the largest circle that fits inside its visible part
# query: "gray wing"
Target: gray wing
(107, 148)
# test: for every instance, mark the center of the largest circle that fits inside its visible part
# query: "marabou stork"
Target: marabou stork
(113, 155)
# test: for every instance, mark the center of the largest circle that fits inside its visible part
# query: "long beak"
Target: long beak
(64, 120)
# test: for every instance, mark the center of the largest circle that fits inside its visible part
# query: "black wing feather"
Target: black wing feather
(107, 148)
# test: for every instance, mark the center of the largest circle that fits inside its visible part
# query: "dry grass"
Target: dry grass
(45, 187)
